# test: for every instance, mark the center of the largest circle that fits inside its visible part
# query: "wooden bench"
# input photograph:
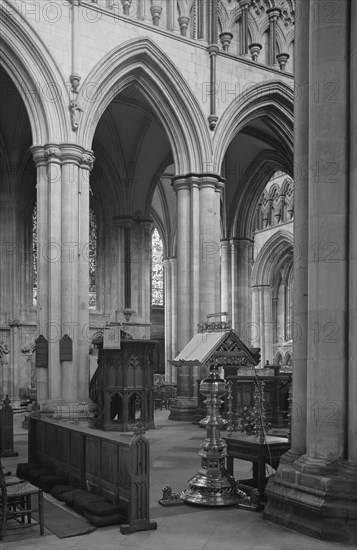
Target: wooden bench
(114, 466)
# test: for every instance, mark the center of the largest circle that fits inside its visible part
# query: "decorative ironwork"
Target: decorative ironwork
(254, 418)
(214, 326)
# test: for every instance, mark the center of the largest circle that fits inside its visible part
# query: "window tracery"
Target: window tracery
(157, 269)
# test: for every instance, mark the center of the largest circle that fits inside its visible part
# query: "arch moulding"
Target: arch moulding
(37, 78)
(270, 256)
(142, 63)
(272, 99)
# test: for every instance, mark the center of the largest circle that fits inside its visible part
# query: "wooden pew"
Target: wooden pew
(113, 465)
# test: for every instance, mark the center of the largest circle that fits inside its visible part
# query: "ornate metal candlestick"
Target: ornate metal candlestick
(212, 485)
(230, 425)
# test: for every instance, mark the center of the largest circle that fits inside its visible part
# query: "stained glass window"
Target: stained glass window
(92, 259)
(34, 255)
(157, 270)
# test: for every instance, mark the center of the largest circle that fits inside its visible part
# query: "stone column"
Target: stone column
(144, 6)
(173, 18)
(168, 319)
(243, 266)
(51, 250)
(63, 237)
(14, 362)
(70, 253)
(255, 336)
(42, 264)
(201, 19)
(209, 246)
(301, 227)
(321, 483)
(352, 397)
(173, 262)
(234, 284)
(183, 407)
(328, 243)
(83, 375)
(195, 267)
(144, 294)
(261, 333)
(198, 272)
(184, 327)
(273, 14)
(226, 280)
(245, 5)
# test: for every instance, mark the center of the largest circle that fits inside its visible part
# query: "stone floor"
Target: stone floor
(174, 447)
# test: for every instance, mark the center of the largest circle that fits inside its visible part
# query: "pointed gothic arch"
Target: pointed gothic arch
(273, 100)
(142, 63)
(243, 207)
(37, 78)
(271, 254)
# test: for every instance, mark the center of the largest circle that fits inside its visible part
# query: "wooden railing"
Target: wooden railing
(114, 466)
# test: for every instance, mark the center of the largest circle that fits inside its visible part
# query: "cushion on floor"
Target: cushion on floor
(46, 482)
(102, 521)
(68, 497)
(34, 475)
(24, 467)
(94, 504)
(58, 490)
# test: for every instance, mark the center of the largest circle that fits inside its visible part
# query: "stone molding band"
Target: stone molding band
(63, 153)
(198, 180)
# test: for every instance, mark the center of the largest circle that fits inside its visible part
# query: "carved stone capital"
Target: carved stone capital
(255, 50)
(197, 180)
(71, 153)
(213, 49)
(52, 152)
(88, 160)
(156, 13)
(38, 153)
(212, 121)
(273, 13)
(226, 39)
(126, 6)
(282, 60)
(183, 22)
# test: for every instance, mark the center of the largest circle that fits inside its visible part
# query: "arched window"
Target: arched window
(93, 229)
(276, 203)
(157, 269)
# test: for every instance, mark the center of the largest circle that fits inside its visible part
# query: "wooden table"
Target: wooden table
(248, 447)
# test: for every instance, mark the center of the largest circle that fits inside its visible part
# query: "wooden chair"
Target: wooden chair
(157, 398)
(15, 502)
(168, 394)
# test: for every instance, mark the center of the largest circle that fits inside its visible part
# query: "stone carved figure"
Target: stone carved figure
(76, 111)
(4, 350)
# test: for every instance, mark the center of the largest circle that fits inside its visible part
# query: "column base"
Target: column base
(78, 412)
(315, 497)
(183, 409)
